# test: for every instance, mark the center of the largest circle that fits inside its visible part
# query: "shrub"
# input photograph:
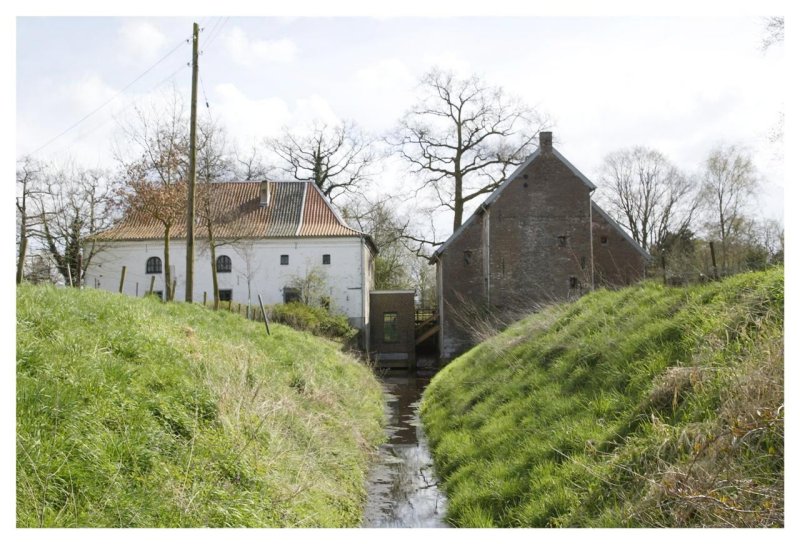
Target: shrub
(313, 319)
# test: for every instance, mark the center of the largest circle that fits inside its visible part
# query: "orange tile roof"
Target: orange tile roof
(295, 209)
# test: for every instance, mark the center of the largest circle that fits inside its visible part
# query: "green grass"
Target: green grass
(135, 413)
(649, 406)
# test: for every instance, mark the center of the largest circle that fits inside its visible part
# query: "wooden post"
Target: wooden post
(172, 293)
(69, 274)
(713, 261)
(664, 267)
(205, 297)
(152, 284)
(137, 288)
(192, 169)
(263, 314)
(122, 278)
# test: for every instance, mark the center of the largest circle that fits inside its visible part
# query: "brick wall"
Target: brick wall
(399, 352)
(616, 261)
(532, 245)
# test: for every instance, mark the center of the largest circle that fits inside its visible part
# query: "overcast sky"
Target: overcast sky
(677, 84)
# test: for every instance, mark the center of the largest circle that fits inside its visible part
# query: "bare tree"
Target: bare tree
(380, 220)
(647, 194)
(312, 286)
(213, 165)
(29, 173)
(249, 165)
(336, 158)
(463, 137)
(247, 251)
(729, 181)
(156, 175)
(773, 32)
(75, 205)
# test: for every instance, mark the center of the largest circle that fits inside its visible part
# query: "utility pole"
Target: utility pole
(192, 169)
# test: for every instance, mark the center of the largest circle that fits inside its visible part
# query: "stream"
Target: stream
(402, 489)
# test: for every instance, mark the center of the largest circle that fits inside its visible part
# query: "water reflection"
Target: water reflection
(402, 489)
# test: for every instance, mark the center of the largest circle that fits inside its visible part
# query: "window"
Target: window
(390, 333)
(291, 294)
(225, 295)
(573, 282)
(604, 240)
(326, 259)
(224, 263)
(468, 257)
(583, 262)
(562, 241)
(284, 259)
(153, 266)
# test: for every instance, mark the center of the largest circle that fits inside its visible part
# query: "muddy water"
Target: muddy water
(402, 489)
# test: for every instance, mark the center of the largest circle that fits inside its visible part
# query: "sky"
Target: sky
(678, 84)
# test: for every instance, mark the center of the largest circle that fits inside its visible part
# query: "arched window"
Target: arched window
(223, 263)
(153, 266)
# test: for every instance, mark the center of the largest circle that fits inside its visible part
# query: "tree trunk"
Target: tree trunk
(167, 271)
(458, 201)
(214, 279)
(23, 248)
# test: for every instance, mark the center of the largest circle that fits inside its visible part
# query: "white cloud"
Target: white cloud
(252, 119)
(89, 93)
(386, 74)
(250, 52)
(451, 62)
(141, 41)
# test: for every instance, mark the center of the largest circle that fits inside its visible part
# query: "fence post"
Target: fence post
(122, 278)
(205, 297)
(172, 291)
(264, 314)
(152, 284)
(137, 288)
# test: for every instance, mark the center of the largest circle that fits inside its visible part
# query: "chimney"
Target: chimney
(264, 192)
(546, 142)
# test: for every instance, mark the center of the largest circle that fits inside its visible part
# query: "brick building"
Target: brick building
(537, 239)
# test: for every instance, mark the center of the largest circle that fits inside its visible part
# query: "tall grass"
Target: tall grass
(134, 413)
(649, 406)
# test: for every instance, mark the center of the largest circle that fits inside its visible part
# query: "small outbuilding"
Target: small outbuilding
(392, 338)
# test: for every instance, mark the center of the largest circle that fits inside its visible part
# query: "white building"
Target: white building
(274, 234)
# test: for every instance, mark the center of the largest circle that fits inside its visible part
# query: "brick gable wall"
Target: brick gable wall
(533, 245)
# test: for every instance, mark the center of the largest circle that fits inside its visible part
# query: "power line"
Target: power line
(205, 96)
(107, 102)
(130, 104)
(213, 28)
(212, 39)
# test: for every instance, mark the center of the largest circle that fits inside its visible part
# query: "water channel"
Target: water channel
(402, 489)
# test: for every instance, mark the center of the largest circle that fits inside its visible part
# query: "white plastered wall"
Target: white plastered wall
(255, 263)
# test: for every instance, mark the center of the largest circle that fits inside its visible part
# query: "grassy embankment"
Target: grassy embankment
(649, 406)
(134, 413)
